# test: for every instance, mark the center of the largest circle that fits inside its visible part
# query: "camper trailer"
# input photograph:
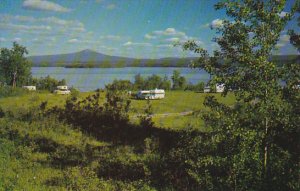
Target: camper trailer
(151, 94)
(30, 88)
(220, 88)
(62, 90)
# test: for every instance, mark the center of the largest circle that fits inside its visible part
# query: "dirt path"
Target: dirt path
(166, 114)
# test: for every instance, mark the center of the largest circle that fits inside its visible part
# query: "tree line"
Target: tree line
(176, 82)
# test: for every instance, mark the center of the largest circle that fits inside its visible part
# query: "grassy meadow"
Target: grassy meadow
(176, 111)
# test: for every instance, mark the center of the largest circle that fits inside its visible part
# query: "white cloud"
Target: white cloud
(148, 36)
(172, 36)
(37, 41)
(74, 40)
(62, 22)
(174, 39)
(169, 32)
(43, 26)
(43, 5)
(9, 26)
(111, 6)
(165, 46)
(205, 25)
(110, 37)
(129, 43)
(217, 23)
(17, 39)
(128, 48)
(77, 29)
(6, 18)
(22, 18)
(111, 49)
(2, 39)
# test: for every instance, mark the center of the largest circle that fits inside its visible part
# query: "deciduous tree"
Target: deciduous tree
(14, 67)
(254, 153)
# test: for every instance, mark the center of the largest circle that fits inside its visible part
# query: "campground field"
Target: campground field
(178, 110)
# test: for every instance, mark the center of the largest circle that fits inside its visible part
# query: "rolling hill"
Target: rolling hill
(90, 58)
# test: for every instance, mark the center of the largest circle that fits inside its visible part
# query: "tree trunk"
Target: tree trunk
(266, 150)
(265, 173)
(14, 79)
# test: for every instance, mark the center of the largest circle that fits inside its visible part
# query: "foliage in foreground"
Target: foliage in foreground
(255, 142)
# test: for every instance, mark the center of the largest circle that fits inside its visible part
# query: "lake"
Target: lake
(89, 79)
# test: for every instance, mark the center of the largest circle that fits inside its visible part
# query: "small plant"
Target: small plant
(146, 119)
(74, 92)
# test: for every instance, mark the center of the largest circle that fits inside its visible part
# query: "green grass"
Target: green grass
(24, 166)
(39, 154)
(174, 103)
(178, 101)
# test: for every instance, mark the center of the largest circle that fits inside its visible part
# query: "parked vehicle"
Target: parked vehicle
(30, 88)
(151, 94)
(206, 89)
(219, 88)
(62, 90)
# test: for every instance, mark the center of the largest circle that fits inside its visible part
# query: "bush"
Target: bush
(199, 87)
(8, 91)
(123, 164)
(120, 85)
(84, 178)
(93, 117)
(74, 92)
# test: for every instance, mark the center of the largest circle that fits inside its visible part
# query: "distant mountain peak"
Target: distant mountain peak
(87, 51)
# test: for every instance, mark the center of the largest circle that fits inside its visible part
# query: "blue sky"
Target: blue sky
(132, 28)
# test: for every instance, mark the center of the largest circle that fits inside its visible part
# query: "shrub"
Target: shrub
(8, 91)
(199, 87)
(83, 178)
(123, 164)
(74, 92)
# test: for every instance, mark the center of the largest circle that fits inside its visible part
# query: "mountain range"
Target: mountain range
(90, 58)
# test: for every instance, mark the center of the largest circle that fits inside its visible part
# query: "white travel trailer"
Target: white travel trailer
(30, 88)
(151, 94)
(63, 90)
(220, 88)
(62, 87)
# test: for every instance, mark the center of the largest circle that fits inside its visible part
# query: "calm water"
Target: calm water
(89, 79)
